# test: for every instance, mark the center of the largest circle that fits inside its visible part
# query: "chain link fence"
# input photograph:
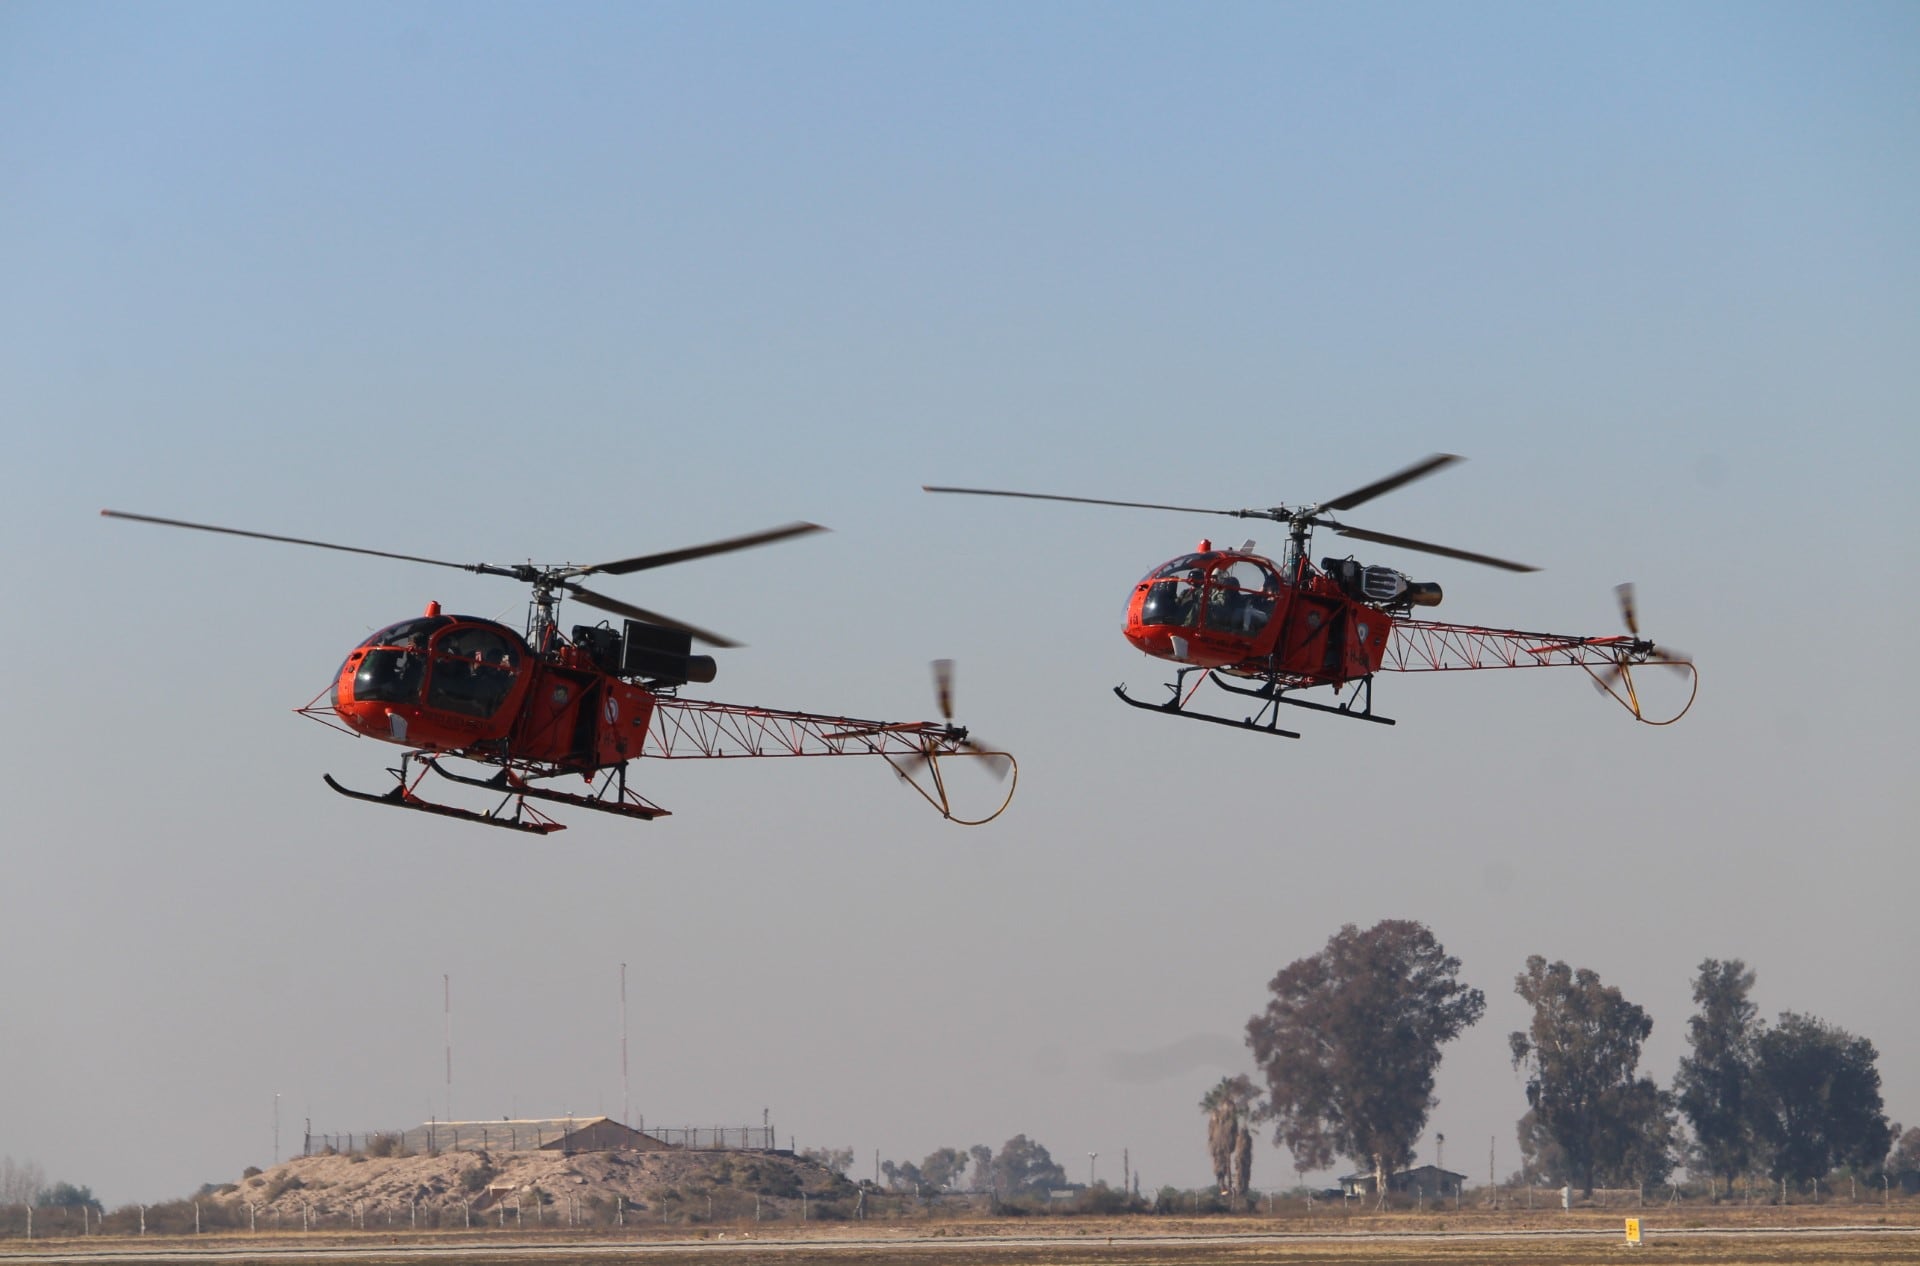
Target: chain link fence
(587, 1135)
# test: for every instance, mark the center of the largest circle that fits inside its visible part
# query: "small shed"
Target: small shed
(1422, 1180)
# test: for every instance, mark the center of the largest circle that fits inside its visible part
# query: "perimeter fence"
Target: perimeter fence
(694, 1206)
(534, 1136)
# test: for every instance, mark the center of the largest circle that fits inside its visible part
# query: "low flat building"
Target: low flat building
(1422, 1180)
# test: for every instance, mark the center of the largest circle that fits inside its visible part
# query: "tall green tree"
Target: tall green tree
(64, 1195)
(1022, 1166)
(1350, 1042)
(1905, 1155)
(1817, 1095)
(942, 1169)
(982, 1157)
(902, 1176)
(1714, 1084)
(1581, 1054)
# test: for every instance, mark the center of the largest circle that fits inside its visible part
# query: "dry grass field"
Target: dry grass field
(1731, 1236)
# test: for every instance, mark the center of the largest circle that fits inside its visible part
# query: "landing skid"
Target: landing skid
(401, 797)
(512, 812)
(1175, 707)
(1271, 694)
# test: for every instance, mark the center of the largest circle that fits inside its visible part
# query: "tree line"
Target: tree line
(1350, 1040)
(1022, 1167)
(24, 1182)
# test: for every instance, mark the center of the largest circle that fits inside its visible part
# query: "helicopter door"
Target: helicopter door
(473, 671)
(1240, 598)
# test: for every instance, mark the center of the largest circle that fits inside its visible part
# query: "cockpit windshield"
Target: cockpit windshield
(410, 633)
(1184, 563)
(389, 676)
(449, 662)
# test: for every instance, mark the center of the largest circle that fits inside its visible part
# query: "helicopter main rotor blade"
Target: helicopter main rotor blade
(1419, 470)
(1089, 501)
(287, 540)
(668, 557)
(617, 607)
(1445, 551)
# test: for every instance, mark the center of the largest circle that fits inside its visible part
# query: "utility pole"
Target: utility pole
(626, 1096)
(1091, 1158)
(446, 988)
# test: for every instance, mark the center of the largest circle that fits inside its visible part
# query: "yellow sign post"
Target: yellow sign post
(1633, 1232)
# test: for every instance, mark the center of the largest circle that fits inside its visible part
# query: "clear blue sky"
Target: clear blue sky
(509, 282)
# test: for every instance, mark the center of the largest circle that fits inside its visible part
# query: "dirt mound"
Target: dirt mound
(468, 1184)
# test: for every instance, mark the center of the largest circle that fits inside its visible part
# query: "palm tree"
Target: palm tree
(1230, 1107)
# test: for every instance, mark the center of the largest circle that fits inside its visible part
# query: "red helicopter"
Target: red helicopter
(1269, 630)
(543, 706)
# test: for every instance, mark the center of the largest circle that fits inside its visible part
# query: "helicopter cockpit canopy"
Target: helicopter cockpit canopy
(454, 663)
(1223, 593)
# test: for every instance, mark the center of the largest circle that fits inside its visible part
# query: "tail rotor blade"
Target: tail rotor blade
(1668, 657)
(998, 763)
(1608, 678)
(943, 687)
(1629, 611)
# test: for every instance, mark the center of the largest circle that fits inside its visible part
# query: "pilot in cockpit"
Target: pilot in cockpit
(1225, 604)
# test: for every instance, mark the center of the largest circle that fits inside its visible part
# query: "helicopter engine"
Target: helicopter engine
(1382, 586)
(660, 655)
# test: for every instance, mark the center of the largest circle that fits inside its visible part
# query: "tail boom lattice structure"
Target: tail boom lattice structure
(1421, 646)
(692, 729)
(689, 729)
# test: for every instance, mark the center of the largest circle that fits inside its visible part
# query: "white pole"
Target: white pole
(626, 1094)
(446, 986)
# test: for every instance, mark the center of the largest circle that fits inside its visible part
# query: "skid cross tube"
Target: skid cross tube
(1177, 701)
(1272, 690)
(403, 795)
